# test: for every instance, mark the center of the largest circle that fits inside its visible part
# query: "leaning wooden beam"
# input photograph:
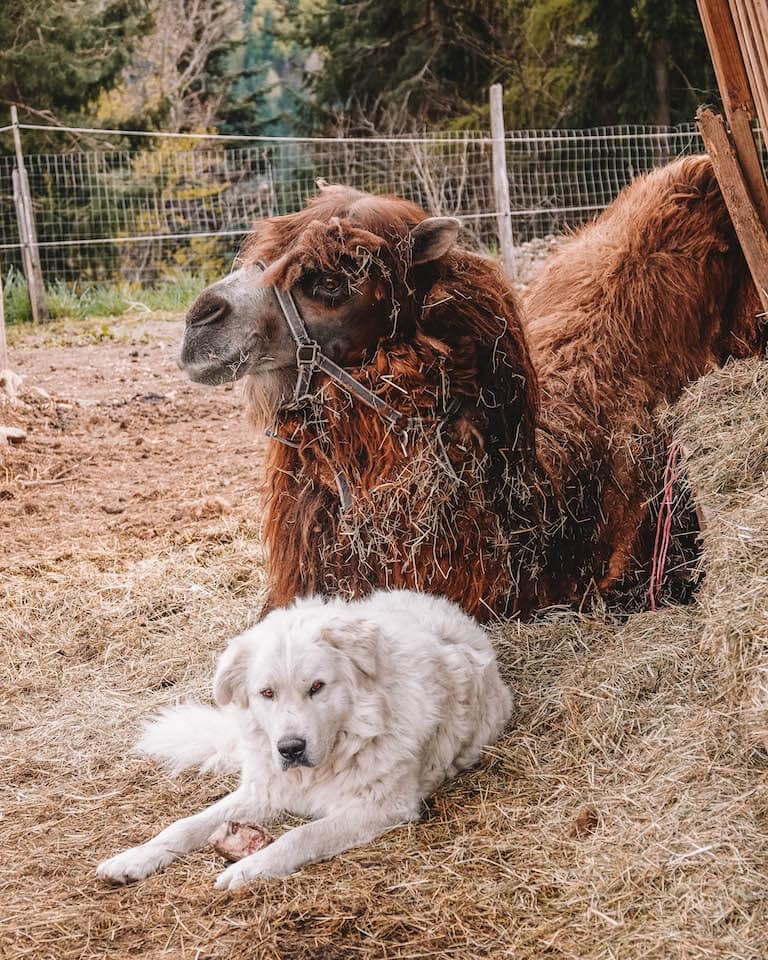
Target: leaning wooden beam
(737, 97)
(749, 229)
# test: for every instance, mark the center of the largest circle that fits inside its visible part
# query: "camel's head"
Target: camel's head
(358, 267)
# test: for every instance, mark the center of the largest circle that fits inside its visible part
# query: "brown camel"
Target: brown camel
(442, 437)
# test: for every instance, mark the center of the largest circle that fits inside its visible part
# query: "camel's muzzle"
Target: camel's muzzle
(225, 329)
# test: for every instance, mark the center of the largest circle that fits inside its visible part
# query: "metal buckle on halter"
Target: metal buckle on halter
(307, 354)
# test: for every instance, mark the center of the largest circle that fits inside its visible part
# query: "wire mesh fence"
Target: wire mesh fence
(160, 204)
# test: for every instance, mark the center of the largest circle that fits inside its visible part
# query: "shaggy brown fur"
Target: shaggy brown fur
(629, 310)
(471, 534)
(652, 295)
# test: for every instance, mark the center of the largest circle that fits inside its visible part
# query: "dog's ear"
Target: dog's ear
(358, 640)
(229, 682)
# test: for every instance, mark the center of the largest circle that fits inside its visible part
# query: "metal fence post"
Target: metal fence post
(22, 199)
(501, 182)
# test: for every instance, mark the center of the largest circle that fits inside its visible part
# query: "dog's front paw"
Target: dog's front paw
(236, 876)
(133, 864)
(257, 866)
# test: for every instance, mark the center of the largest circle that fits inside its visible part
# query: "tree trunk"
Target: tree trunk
(661, 71)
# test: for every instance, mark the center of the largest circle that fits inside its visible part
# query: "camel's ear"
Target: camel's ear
(268, 277)
(358, 640)
(229, 682)
(433, 237)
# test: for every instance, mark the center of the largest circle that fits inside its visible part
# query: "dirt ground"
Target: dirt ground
(624, 817)
(123, 448)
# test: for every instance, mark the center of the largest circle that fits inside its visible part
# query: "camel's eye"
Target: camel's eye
(330, 286)
(316, 687)
(268, 693)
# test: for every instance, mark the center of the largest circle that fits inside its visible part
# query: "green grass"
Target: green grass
(81, 300)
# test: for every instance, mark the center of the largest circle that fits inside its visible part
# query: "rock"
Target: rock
(157, 397)
(203, 509)
(10, 383)
(12, 435)
(233, 841)
(530, 256)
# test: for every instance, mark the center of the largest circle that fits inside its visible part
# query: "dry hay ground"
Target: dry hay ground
(624, 816)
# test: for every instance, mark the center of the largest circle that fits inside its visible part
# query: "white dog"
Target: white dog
(349, 713)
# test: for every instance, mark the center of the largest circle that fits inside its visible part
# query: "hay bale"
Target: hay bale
(723, 424)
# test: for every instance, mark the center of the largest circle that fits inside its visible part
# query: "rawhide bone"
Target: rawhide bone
(233, 840)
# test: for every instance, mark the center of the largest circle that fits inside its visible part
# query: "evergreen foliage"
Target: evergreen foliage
(56, 56)
(406, 63)
(286, 66)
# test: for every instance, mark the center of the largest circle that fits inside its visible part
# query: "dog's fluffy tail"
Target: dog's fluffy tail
(193, 735)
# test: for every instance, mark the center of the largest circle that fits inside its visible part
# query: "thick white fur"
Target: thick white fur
(193, 735)
(411, 694)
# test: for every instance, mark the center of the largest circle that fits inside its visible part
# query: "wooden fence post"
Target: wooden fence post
(501, 183)
(27, 233)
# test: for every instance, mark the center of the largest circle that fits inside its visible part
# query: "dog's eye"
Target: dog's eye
(316, 687)
(268, 692)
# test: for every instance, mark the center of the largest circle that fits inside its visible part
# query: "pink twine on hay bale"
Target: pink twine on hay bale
(663, 524)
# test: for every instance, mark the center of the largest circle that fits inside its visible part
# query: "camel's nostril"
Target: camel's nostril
(208, 308)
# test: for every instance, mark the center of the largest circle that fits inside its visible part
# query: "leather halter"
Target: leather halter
(310, 358)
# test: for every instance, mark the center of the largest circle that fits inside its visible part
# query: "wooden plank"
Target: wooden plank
(761, 9)
(749, 160)
(21, 222)
(726, 56)
(738, 101)
(501, 182)
(34, 249)
(747, 31)
(760, 40)
(758, 18)
(749, 229)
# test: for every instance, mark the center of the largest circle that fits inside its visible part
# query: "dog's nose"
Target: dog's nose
(291, 748)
